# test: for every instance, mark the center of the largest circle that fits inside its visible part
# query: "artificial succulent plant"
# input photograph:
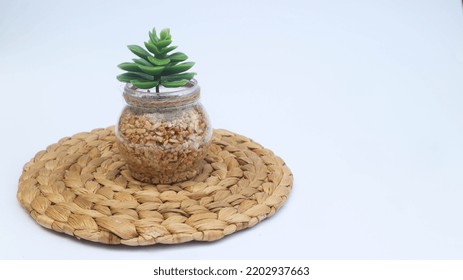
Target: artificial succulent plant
(157, 66)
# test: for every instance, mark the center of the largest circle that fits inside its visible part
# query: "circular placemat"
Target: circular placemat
(81, 186)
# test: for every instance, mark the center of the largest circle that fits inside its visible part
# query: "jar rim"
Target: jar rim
(186, 94)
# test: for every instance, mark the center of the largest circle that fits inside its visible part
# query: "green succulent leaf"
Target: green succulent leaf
(165, 34)
(129, 76)
(139, 51)
(152, 48)
(177, 57)
(178, 83)
(174, 77)
(129, 66)
(144, 84)
(141, 61)
(179, 68)
(126, 77)
(153, 36)
(158, 61)
(144, 76)
(168, 49)
(152, 70)
(163, 43)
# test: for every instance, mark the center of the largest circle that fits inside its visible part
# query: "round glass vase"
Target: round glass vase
(165, 136)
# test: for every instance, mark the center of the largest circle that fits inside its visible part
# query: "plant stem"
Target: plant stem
(157, 89)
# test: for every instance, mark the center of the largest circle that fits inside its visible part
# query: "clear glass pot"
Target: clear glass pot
(164, 137)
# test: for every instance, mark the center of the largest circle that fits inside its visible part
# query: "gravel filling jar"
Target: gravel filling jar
(163, 137)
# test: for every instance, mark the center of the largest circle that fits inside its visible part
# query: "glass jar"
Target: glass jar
(165, 136)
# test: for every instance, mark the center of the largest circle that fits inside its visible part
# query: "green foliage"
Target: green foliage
(156, 66)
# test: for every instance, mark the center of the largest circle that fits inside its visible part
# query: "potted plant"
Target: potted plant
(163, 132)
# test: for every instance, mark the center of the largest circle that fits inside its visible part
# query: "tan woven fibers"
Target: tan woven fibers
(80, 186)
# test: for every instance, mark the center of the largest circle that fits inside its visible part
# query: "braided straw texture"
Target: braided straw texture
(81, 186)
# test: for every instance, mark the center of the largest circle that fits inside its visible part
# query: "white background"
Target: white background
(362, 99)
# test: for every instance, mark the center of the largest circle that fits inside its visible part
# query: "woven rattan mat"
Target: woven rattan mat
(81, 186)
